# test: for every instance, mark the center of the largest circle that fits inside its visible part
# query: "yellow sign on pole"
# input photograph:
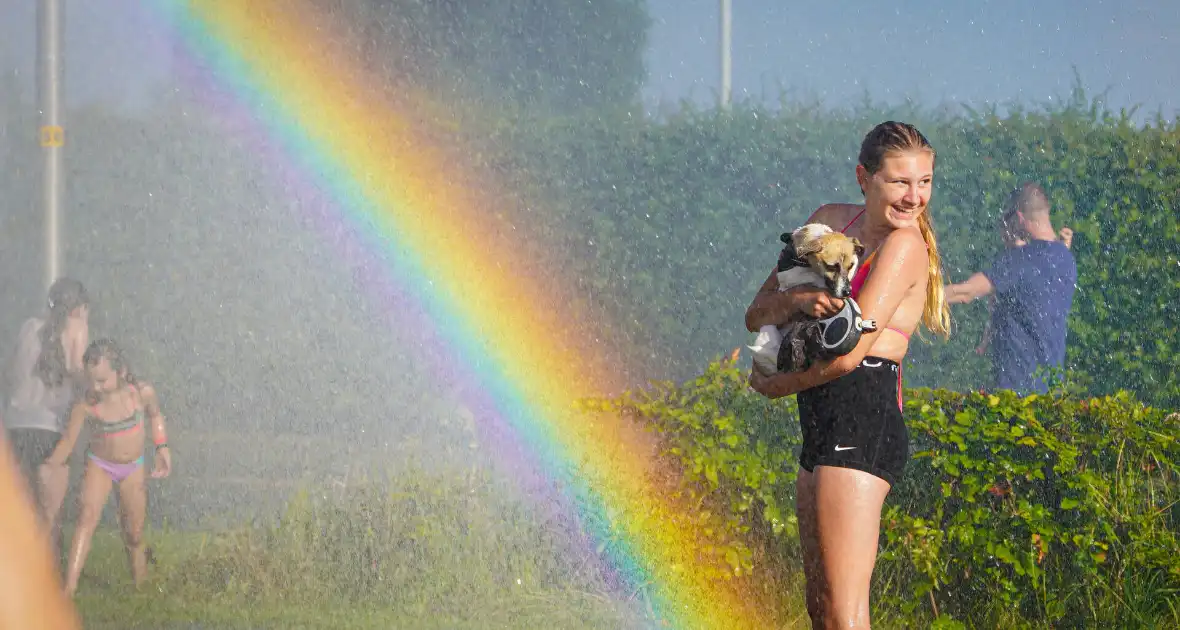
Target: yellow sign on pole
(53, 136)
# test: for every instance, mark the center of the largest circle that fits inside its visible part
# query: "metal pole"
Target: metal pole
(726, 45)
(52, 130)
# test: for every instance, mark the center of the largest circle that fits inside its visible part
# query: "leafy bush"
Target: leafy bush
(736, 449)
(1039, 507)
(1058, 510)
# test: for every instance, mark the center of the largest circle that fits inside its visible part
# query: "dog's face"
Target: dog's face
(833, 256)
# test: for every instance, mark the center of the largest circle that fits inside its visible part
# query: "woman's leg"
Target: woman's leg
(96, 485)
(132, 510)
(812, 571)
(848, 506)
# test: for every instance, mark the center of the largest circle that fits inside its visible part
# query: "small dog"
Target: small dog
(819, 256)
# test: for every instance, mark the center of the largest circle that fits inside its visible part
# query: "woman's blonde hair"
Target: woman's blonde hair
(897, 137)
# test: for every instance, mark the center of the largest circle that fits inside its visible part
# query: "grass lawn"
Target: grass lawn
(379, 560)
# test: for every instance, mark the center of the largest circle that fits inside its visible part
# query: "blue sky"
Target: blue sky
(932, 51)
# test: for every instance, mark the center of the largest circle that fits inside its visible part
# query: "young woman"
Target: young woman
(44, 377)
(117, 408)
(855, 443)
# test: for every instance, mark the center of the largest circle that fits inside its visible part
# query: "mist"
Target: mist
(279, 366)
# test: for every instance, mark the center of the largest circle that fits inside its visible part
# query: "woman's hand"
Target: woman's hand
(815, 302)
(163, 466)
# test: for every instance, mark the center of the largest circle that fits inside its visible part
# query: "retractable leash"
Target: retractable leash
(841, 332)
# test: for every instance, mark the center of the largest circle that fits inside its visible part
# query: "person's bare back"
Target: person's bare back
(74, 339)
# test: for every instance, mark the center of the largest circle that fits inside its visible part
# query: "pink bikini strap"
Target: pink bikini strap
(851, 222)
(898, 331)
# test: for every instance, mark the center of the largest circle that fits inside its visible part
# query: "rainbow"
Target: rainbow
(414, 223)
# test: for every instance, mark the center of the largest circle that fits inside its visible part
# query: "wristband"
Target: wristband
(161, 445)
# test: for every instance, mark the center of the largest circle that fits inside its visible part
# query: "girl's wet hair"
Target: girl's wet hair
(890, 137)
(893, 137)
(65, 295)
(107, 349)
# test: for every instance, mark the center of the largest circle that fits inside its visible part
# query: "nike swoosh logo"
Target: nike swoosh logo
(845, 448)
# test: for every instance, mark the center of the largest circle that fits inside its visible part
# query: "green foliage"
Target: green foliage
(1037, 507)
(1058, 510)
(736, 450)
(674, 223)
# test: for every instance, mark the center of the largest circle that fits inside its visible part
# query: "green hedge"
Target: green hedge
(673, 224)
(1059, 510)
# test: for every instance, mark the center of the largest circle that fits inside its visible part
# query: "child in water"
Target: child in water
(116, 408)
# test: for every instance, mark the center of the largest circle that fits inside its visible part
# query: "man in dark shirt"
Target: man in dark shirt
(1033, 287)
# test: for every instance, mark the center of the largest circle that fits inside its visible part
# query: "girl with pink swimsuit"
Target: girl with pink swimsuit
(116, 408)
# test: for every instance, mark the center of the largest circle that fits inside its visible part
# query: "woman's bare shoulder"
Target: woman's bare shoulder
(836, 215)
(906, 247)
(906, 238)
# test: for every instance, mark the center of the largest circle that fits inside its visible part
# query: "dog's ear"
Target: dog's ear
(806, 246)
(858, 247)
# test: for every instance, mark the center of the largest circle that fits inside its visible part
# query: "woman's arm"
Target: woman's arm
(775, 308)
(900, 265)
(65, 445)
